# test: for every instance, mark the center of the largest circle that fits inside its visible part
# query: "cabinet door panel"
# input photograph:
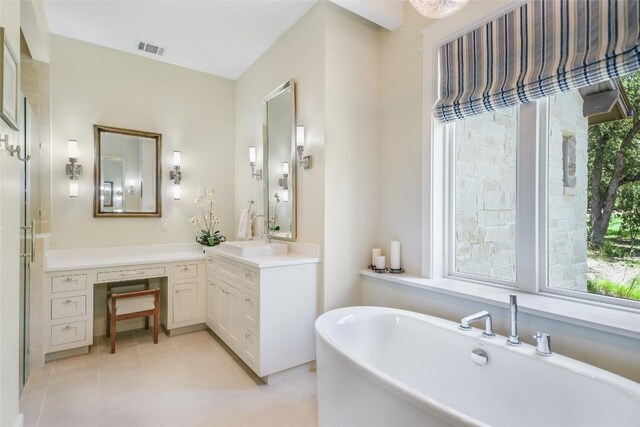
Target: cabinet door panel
(212, 304)
(250, 310)
(235, 316)
(222, 304)
(185, 302)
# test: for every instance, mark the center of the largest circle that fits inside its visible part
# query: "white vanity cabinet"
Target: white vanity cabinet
(69, 296)
(185, 297)
(265, 313)
(68, 311)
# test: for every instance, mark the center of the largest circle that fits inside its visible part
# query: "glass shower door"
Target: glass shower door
(27, 233)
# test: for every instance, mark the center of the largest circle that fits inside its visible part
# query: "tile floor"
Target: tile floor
(183, 381)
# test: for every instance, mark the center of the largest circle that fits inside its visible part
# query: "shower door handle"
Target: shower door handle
(32, 253)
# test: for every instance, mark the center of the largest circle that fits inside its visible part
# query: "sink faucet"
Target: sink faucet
(513, 339)
(265, 229)
(488, 328)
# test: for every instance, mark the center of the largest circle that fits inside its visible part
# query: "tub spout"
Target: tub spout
(488, 325)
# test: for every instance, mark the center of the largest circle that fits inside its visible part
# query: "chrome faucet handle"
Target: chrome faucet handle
(543, 343)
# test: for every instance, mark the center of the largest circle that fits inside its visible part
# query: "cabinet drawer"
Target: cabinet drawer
(139, 273)
(185, 271)
(68, 332)
(250, 310)
(231, 273)
(68, 307)
(72, 282)
(251, 280)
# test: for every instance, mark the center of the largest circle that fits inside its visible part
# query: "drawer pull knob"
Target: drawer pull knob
(177, 291)
(67, 327)
(247, 299)
(68, 279)
(247, 334)
(68, 301)
(185, 268)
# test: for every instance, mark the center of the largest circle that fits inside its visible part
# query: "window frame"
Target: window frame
(532, 180)
(532, 166)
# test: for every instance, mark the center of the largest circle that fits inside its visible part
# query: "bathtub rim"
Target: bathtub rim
(626, 386)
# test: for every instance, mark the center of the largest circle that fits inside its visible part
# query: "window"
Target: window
(522, 198)
(484, 200)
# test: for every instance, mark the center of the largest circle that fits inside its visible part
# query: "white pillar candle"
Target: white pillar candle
(380, 263)
(375, 253)
(395, 255)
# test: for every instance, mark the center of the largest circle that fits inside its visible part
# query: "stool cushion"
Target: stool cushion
(133, 305)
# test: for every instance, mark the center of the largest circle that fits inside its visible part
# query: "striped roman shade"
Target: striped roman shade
(542, 48)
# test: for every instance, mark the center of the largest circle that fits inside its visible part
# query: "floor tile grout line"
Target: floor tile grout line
(46, 391)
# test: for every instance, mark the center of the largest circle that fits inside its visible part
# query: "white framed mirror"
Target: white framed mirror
(279, 161)
(127, 173)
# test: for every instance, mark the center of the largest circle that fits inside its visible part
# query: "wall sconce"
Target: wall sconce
(176, 175)
(284, 181)
(257, 174)
(285, 196)
(73, 168)
(303, 161)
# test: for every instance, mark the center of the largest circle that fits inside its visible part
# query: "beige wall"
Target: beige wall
(400, 175)
(298, 54)
(193, 111)
(333, 56)
(351, 158)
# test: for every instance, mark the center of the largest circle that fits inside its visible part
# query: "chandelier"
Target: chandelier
(437, 8)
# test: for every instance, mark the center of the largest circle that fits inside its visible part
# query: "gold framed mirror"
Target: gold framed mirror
(127, 173)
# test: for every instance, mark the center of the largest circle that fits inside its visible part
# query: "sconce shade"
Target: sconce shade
(300, 136)
(285, 196)
(176, 158)
(177, 192)
(285, 168)
(73, 148)
(73, 188)
(252, 154)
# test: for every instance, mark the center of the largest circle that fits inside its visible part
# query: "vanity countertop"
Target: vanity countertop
(76, 259)
(290, 258)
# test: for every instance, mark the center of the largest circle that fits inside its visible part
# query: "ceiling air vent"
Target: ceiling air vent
(149, 48)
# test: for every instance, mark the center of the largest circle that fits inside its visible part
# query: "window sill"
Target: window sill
(620, 321)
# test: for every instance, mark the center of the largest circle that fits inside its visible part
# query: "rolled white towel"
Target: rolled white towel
(244, 227)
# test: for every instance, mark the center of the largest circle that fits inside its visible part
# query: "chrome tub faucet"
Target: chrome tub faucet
(543, 344)
(513, 338)
(488, 326)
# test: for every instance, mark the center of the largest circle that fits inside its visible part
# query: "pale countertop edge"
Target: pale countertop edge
(290, 258)
(620, 321)
(116, 262)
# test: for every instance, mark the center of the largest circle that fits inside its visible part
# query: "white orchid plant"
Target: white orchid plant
(208, 236)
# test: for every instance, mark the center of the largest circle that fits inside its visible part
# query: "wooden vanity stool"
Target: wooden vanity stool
(131, 304)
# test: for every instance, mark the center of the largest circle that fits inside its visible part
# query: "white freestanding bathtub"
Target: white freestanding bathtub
(386, 367)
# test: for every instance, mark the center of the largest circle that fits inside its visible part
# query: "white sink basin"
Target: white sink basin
(250, 248)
